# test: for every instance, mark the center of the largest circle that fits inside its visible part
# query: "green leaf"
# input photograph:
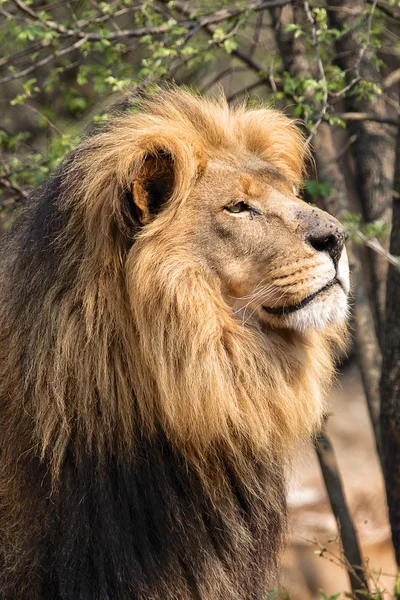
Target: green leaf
(291, 27)
(316, 189)
(324, 189)
(397, 584)
(229, 45)
(325, 597)
(312, 188)
(272, 595)
(218, 34)
(376, 229)
(333, 120)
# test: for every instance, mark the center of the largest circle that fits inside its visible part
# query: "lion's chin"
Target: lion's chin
(328, 307)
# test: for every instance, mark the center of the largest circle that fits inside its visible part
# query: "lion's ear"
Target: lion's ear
(154, 185)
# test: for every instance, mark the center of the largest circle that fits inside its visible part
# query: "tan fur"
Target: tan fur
(181, 334)
(154, 310)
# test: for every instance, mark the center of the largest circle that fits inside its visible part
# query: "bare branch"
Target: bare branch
(245, 90)
(218, 76)
(6, 184)
(345, 148)
(256, 34)
(252, 62)
(43, 116)
(363, 116)
(365, 45)
(5, 60)
(392, 79)
(334, 488)
(48, 59)
(346, 89)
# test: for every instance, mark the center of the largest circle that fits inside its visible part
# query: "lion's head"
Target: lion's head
(275, 258)
(222, 185)
(278, 259)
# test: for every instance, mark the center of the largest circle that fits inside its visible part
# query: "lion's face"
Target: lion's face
(279, 259)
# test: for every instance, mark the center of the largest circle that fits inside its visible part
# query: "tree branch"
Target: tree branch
(373, 148)
(348, 535)
(391, 80)
(246, 90)
(349, 142)
(41, 63)
(364, 116)
(202, 22)
(377, 247)
(218, 76)
(320, 69)
(253, 63)
(390, 380)
(6, 184)
(386, 10)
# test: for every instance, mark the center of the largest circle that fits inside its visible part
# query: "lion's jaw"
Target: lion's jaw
(326, 306)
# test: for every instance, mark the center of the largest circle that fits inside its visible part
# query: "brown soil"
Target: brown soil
(312, 525)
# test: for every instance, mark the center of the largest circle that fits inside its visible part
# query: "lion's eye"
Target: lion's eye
(237, 208)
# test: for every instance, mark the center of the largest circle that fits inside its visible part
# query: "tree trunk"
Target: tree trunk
(329, 170)
(373, 146)
(390, 380)
(337, 203)
(365, 340)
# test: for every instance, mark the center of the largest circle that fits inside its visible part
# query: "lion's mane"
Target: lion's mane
(143, 430)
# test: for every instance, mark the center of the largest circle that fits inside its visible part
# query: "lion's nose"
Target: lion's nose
(322, 231)
(327, 237)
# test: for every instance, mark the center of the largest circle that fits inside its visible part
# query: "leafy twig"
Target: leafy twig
(356, 67)
(320, 68)
(202, 22)
(375, 245)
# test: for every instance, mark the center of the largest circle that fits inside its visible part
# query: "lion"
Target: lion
(170, 314)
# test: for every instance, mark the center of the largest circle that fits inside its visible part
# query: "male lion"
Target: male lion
(169, 309)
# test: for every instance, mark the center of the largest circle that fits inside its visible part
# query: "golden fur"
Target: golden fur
(150, 304)
(197, 340)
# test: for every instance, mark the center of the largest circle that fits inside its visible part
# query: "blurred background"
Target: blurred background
(334, 65)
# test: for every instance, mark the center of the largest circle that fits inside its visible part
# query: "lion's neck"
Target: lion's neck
(204, 377)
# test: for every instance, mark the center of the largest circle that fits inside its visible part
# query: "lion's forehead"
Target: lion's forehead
(251, 177)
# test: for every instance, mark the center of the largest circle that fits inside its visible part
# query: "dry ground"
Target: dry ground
(311, 520)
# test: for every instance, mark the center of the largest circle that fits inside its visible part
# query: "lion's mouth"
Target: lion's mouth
(284, 310)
